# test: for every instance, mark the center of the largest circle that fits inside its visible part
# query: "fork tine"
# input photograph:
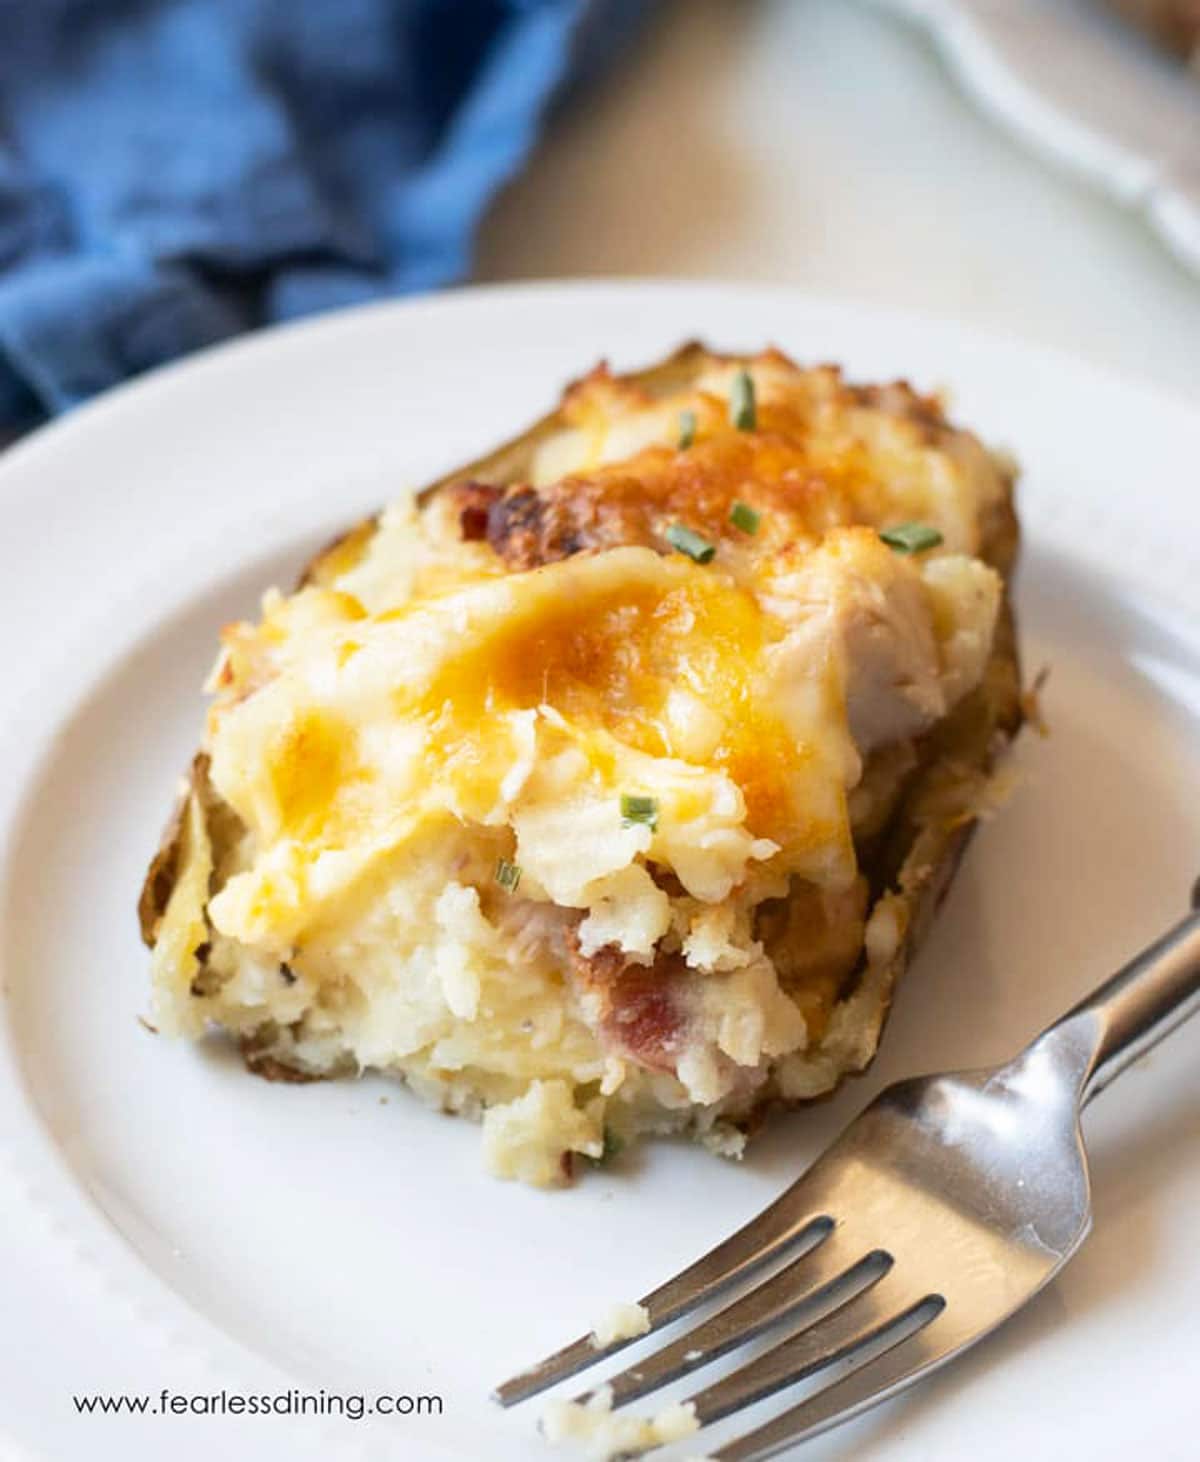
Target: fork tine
(779, 1227)
(809, 1288)
(882, 1372)
(872, 1316)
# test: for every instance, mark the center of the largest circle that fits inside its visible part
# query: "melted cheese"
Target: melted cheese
(571, 684)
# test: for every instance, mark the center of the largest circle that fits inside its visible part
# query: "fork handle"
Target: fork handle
(1139, 1005)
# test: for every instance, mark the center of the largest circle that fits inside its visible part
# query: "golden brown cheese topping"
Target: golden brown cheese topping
(794, 476)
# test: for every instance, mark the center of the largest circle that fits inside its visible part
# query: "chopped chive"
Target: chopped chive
(741, 401)
(743, 516)
(614, 1145)
(689, 542)
(911, 537)
(508, 875)
(687, 429)
(637, 810)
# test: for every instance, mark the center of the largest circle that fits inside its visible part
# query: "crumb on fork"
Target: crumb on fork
(605, 1434)
(623, 1321)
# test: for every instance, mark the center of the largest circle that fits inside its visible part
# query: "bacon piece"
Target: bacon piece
(645, 1019)
(516, 528)
(473, 501)
(528, 527)
(643, 1012)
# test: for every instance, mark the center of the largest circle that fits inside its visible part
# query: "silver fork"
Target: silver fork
(941, 1209)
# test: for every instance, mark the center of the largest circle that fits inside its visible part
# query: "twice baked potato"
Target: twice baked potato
(606, 786)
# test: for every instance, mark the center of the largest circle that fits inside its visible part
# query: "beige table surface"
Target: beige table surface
(821, 143)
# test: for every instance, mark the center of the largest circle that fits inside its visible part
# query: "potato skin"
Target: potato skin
(164, 871)
(1173, 23)
(914, 861)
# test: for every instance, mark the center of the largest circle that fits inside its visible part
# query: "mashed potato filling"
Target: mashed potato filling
(569, 838)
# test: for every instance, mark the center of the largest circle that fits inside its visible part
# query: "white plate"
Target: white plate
(1084, 89)
(171, 1222)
